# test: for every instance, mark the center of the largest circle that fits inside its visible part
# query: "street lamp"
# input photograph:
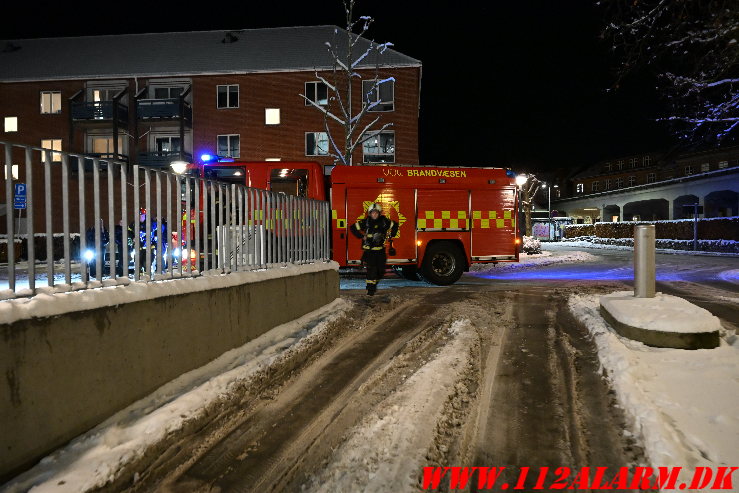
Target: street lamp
(521, 180)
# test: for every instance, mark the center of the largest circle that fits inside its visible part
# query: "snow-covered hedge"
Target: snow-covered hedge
(727, 246)
(531, 246)
(719, 228)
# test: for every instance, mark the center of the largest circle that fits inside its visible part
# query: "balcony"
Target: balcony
(162, 159)
(100, 111)
(163, 109)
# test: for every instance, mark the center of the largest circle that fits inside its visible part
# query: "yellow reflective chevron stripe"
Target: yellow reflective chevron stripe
(443, 220)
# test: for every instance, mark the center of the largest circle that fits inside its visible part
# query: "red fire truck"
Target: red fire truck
(448, 217)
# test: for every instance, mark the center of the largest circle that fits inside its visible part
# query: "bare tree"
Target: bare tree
(692, 48)
(528, 192)
(347, 55)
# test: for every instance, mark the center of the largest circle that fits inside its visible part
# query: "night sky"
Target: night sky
(518, 84)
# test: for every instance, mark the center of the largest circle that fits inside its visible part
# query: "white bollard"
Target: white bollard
(644, 261)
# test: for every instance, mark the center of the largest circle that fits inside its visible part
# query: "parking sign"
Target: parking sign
(19, 201)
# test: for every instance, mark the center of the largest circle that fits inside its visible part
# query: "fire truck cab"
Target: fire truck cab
(448, 217)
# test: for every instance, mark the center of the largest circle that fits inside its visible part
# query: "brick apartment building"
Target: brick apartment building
(152, 98)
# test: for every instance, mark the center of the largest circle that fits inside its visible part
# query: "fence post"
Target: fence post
(644, 261)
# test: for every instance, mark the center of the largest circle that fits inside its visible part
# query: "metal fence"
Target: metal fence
(83, 217)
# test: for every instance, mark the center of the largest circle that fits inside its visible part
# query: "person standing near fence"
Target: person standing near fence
(374, 230)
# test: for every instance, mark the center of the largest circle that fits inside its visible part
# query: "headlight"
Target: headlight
(89, 255)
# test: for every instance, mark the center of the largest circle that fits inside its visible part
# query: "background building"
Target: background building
(655, 187)
(148, 98)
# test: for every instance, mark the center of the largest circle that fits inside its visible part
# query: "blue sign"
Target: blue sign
(20, 196)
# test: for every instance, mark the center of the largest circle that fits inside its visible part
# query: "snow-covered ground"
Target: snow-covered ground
(605, 246)
(93, 458)
(684, 405)
(386, 451)
(543, 259)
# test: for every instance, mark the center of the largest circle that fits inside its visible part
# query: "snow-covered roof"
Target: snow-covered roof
(181, 53)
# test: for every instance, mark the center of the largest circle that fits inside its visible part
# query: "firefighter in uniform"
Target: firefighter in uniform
(374, 230)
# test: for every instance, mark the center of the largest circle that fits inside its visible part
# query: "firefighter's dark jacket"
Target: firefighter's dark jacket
(374, 233)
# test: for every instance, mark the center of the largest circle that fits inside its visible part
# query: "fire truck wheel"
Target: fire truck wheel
(443, 263)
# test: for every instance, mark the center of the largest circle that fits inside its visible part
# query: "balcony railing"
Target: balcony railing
(99, 111)
(162, 159)
(148, 109)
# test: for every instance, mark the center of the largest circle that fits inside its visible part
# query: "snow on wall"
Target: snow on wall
(49, 305)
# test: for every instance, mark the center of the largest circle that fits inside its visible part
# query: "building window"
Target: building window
(228, 146)
(607, 167)
(54, 145)
(102, 146)
(632, 162)
(11, 123)
(51, 102)
(167, 146)
(620, 164)
(379, 148)
(167, 92)
(316, 144)
(382, 96)
(647, 161)
(723, 164)
(705, 167)
(316, 92)
(228, 96)
(595, 186)
(579, 188)
(272, 116)
(689, 170)
(651, 177)
(13, 171)
(608, 184)
(632, 181)
(619, 182)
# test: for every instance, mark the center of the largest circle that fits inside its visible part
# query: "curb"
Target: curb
(656, 338)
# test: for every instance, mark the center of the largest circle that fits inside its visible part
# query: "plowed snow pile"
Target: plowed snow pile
(539, 260)
(684, 404)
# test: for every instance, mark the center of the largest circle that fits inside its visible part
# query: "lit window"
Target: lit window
(316, 144)
(580, 188)
(316, 92)
(595, 186)
(51, 102)
(379, 148)
(228, 96)
(651, 177)
(272, 116)
(723, 164)
(273, 159)
(102, 146)
(54, 145)
(229, 146)
(688, 170)
(632, 181)
(11, 123)
(705, 167)
(381, 96)
(13, 171)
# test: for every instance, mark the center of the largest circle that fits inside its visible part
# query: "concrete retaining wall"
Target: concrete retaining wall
(63, 375)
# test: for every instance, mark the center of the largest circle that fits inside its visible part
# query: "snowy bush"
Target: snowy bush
(725, 246)
(531, 245)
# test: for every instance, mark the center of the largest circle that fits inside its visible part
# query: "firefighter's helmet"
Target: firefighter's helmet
(374, 207)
